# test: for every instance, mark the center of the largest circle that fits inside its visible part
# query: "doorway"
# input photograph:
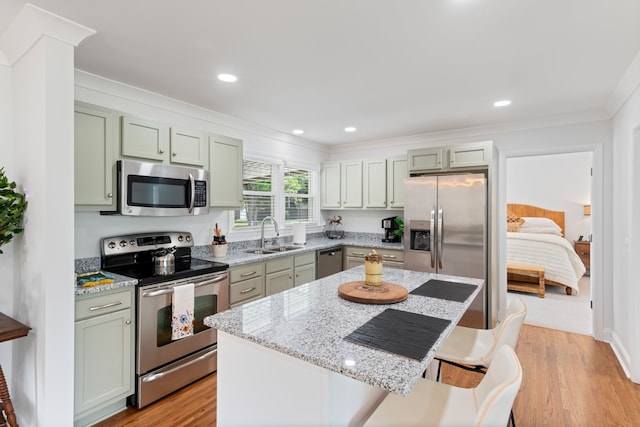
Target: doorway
(560, 182)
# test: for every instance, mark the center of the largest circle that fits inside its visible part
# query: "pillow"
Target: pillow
(540, 225)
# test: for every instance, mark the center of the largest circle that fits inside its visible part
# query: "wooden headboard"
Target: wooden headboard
(518, 210)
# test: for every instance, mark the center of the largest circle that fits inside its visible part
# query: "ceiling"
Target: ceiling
(390, 68)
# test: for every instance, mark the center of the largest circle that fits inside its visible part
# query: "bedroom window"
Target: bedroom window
(287, 193)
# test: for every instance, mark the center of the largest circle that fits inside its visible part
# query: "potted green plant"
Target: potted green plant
(12, 207)
(400, 231)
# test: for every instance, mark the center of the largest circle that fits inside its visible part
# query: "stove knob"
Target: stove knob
(132, 242)
(180, 238)
(188, 238)
(112, 245)
(123, 243)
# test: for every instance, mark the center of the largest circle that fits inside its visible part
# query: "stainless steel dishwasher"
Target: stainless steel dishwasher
(328, 262)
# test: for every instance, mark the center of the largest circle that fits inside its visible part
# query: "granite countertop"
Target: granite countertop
(237, 255)
(310, 321)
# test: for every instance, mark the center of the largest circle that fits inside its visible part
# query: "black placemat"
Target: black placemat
(452, 291)
(407, 334)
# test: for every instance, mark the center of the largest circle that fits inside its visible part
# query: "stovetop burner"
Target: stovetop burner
(131, 256)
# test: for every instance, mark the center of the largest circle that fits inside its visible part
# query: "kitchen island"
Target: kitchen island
(283, 360)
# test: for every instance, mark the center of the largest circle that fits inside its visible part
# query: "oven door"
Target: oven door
(155, 346)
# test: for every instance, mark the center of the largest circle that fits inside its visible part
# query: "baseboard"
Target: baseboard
(101, 414)
(621, 354)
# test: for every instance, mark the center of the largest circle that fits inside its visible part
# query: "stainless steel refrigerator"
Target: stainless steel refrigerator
(445, 220)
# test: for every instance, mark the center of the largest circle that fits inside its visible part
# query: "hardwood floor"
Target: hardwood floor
(568, 380)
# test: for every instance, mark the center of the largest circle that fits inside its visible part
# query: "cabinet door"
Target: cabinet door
(225, 171)
(375, 184)
(187, 147)
(425, 159)
(396, 174)
(351, 185)
(103, 359)
(331, 186)
(95, 133)
(304, 274)
(351, 262)
(278, 282)
(144, 140)
(468, 156)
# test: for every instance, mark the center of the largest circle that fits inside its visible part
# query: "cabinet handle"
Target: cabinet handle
(249, 273)
(128, 322)
(246, 291)
(100, 307)
(388, 256)
(174, 154)
(161, 151)
(297, 274)
(109, 195)
(357, 253)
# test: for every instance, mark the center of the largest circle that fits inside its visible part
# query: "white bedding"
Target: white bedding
(561, 262)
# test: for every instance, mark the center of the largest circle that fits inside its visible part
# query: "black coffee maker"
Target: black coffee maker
(390, 226)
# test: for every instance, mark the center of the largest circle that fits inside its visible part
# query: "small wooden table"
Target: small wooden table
(10, 329)
(518, 273)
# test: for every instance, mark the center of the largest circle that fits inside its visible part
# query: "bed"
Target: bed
(541, 243)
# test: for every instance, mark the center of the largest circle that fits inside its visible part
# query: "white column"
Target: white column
(39, 47)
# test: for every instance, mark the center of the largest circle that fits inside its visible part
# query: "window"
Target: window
(270, 189)
(298, 204)
(258, 197)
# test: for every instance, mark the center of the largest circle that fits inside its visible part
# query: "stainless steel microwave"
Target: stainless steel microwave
(150, 189)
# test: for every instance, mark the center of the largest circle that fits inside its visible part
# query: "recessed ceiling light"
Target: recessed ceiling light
(502, 103)
(350, 129)
(298, 131)
(227, 78)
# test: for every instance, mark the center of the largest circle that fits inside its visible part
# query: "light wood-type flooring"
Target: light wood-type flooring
(568, 380)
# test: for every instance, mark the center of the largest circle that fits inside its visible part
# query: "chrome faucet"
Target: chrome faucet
(275, 225)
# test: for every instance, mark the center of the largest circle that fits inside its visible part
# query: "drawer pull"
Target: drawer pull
(100, 307)
(246, 291)
(357, 253)
(388, 256)
(248, 273)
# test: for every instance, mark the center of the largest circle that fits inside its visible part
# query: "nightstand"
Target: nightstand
(583, 249)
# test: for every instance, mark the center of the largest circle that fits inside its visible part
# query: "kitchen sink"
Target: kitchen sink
(272, 250)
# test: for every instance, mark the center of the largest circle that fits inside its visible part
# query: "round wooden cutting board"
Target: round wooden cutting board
(386, 293)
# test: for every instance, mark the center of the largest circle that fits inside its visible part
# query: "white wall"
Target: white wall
(559, 182)
(90, 227)
(7, 258)
(625, 234)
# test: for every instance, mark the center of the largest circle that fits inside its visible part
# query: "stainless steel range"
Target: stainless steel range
(164, 365)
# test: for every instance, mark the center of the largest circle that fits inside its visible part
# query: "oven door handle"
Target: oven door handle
(170, 289)
(170, 371)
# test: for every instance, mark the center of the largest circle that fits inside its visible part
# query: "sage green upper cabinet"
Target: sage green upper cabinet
(465, 156)
(188, 147)
(351, 184)
(375, 183)
(225, 171)
(425, 159)
(95, 140)
(396, 173)
(331, 186)
(144, 139)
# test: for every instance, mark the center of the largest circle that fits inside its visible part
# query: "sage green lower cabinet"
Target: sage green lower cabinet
(354, 256)
(279, 275)
(304, 270)
(104, 354)
(246, 283)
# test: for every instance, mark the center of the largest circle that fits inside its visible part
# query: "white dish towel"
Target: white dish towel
(182, 311)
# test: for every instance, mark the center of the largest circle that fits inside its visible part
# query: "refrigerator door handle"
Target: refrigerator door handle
(432, 247)
(440, 239)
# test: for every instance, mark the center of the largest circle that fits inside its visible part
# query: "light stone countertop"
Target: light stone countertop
(309, 322)
(237, 255)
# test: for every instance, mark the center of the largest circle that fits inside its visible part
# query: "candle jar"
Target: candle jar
(373, 269)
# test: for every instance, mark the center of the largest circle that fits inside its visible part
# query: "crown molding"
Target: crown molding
(629, 82)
